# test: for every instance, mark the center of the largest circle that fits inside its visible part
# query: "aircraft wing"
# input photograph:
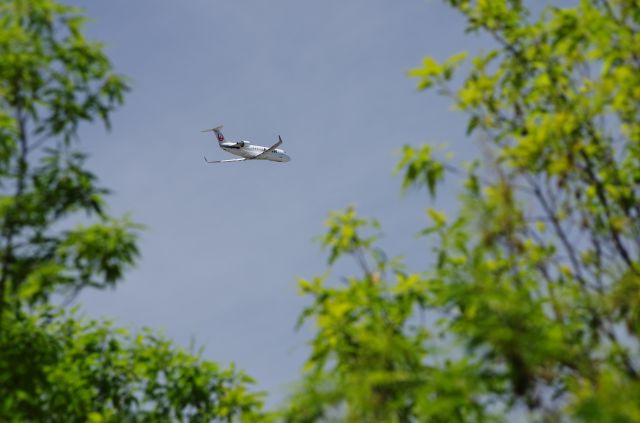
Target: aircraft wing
(224, 161)
(268, 150)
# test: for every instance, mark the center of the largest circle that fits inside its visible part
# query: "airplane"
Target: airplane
(248, 151)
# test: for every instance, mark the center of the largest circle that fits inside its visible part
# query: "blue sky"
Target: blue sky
(224, 244)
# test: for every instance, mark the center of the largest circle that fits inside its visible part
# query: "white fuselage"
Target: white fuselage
(249, 151)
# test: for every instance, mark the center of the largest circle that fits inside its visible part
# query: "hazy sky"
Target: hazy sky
(225, 243)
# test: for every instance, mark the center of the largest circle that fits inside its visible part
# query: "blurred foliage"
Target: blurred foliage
(58, 368)
(51, 79)
(531, 306)
(55, 367)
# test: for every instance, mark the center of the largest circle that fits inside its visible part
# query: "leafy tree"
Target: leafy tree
(533, 296)
(51, 80)
(55, 366)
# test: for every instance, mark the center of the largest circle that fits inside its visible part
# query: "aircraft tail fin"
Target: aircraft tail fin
(217, 132)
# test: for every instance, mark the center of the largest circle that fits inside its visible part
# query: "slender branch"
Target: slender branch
(607, 211)
(558, 228)
(362, 261)
(628, 363)
(9, 229)
(38, 143)
(456, 171)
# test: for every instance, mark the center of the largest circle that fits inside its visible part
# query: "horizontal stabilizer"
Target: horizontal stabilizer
(217, 128)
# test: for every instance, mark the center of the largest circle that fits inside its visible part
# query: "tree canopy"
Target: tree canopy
(54, 365)
(529, 305)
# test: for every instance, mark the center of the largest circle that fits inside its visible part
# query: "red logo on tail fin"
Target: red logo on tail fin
(220, 137)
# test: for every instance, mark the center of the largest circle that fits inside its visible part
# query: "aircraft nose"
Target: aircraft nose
(286, 158)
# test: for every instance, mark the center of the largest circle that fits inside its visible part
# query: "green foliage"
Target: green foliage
(56, 367)
(51, 79)
(51, 76)
(532, 302)
(59, 368)
(370, 359)
(420, 163)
